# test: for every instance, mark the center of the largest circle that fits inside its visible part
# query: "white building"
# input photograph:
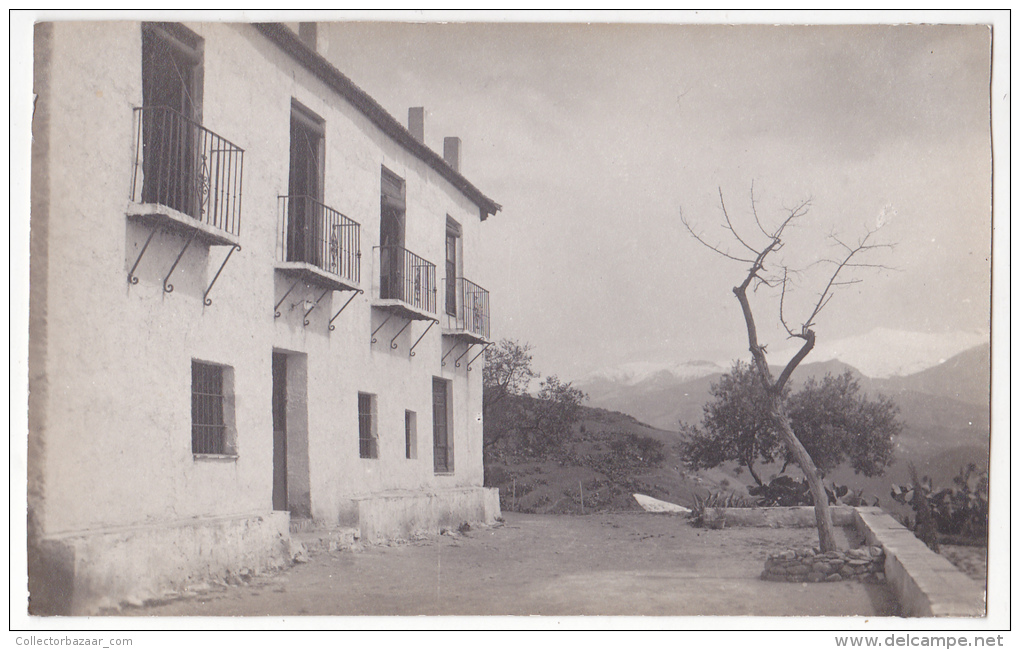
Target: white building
(251, 311)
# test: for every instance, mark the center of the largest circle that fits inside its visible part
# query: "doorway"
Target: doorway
(291, 484)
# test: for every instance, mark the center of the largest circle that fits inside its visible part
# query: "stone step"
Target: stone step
(327, 539)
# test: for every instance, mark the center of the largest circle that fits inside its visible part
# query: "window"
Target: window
(212, 409)
(172, 98)
(368, 442)
(306, 241)
(392, 261)
(452, 240)
(410, 434)
(442, 427)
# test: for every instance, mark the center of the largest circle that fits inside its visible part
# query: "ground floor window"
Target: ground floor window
(442, 427)
(368, 441)
(211, 409)
(410, 434)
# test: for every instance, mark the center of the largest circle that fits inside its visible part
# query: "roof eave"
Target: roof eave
(289, 42)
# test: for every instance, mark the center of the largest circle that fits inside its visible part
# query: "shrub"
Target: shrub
(960, 511)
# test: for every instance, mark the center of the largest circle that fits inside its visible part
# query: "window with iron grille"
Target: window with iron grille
(368, 442)
(442, 428)
(410, 434)
(212, 416)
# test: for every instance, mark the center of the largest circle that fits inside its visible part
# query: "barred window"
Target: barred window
(410, 434)
(211, 409)
(367, 441)
(207, 425)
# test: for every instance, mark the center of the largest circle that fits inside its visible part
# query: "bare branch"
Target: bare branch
(782, 302)
(729, 224)
(718, 250)
(826, 295)
(754, 210)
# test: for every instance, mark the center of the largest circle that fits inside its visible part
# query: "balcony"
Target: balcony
(407, 283)
(320, 245)
(185, 176)
(470, 321)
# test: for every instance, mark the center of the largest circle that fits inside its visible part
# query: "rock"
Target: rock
(798, 570)
(880, 577)
(779, 570)
(876, 551)
(788, 555)
(835, 577)
(846, 571)
(815, 576)
(820, 567)
(859, 562)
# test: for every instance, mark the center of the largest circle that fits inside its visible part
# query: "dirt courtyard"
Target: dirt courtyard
(605, 564)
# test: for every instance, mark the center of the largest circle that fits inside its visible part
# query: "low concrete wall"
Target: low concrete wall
(925, 583)
(400, 515)
(84, 573)
(789, 517)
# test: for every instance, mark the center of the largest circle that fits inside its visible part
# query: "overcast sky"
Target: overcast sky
(594, 137)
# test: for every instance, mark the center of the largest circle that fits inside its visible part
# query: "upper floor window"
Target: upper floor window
(172, 99)
(305, 233)
(453, 232)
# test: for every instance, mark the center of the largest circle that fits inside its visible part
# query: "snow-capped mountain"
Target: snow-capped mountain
(899, 364)
(632, 374)
(883, 353)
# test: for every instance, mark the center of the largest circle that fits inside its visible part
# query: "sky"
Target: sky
(594, 138)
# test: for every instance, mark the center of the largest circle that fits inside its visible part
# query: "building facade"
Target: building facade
(251, 311)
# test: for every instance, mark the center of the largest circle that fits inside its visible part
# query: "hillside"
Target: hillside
(944, 411)
(610, 456)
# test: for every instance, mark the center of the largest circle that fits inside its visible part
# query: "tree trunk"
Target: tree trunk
(774, 388)
(754, 474)
(823, 516)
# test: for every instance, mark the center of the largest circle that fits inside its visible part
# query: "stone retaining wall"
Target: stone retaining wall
(785, 517)
(805, 565)
(925, 583)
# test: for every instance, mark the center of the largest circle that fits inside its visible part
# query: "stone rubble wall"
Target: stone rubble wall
(808, 565)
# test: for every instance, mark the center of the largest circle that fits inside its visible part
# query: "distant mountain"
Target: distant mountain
(944, 409)
(964, 377)
(664, 396)
(884, 353)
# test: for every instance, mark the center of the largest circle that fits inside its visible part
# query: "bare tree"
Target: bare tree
(779, 276)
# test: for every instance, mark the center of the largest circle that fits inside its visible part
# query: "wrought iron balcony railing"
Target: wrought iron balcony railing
(407, 277)
(473, 310)
(186, 167)
(318, 235)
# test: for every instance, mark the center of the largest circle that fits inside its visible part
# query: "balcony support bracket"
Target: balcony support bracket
(393, 344)
(452, 348)
(381, 325)
(353, 295)
(474, 358)
(205, 298)
(167, 287)
(456, 362)
(132, 278)
(431, 323)
(276, 310)
(314, 305)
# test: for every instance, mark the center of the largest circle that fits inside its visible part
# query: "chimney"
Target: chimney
(451, 152)
(416, 122)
